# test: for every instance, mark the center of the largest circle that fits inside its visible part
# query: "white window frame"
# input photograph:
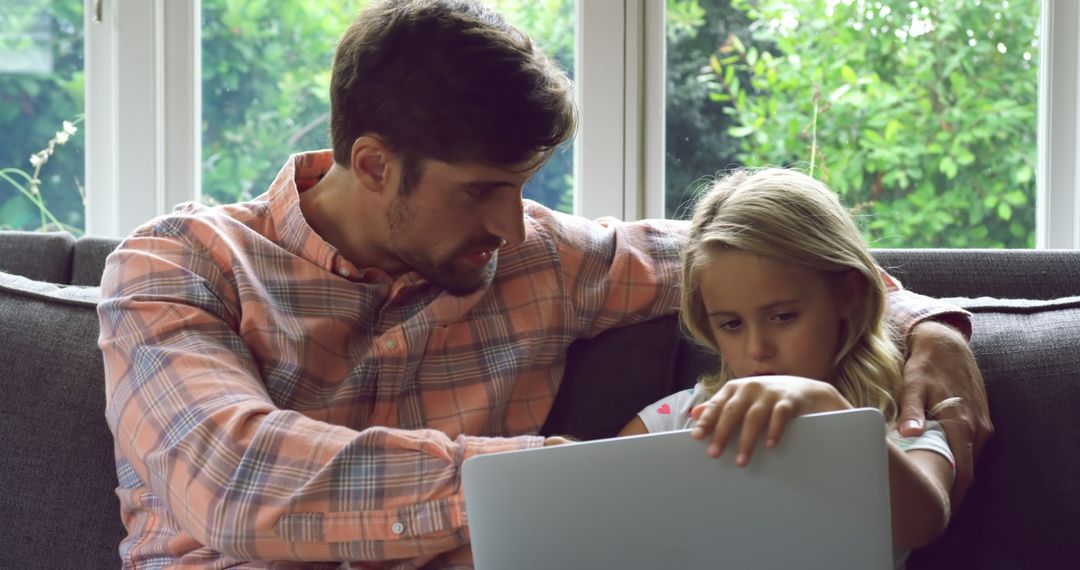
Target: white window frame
(143, 110)
(1057, 202)
(143, 113)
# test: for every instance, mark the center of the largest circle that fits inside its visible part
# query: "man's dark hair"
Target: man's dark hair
(449, 80)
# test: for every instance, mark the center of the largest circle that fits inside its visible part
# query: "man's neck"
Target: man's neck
(335, 208)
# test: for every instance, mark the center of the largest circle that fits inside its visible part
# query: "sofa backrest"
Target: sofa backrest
(55, 257)
(1003, 273)
(58, 506)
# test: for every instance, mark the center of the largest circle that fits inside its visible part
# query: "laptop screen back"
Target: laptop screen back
(820, 499)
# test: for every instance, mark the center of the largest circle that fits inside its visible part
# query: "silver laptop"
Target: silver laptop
(820, 499)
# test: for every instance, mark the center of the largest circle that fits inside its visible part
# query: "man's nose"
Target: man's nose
(506, 219)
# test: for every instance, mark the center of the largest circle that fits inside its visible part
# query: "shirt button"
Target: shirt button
(390, 344)
(343, 271)
(397, 528)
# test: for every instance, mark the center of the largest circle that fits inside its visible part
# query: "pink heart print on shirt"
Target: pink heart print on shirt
(665, 409)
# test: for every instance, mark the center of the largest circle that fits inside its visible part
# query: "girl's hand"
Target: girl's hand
(759, 402)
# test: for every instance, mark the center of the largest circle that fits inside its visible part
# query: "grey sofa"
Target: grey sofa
(57, 479)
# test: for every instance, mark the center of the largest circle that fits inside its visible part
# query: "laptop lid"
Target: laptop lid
(820, 499)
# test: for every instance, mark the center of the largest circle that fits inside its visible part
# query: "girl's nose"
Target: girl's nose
(759, 346)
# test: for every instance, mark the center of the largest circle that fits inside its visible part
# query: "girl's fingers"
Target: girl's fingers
(782, 413)
(754, 422)
(730, 417)
(708, 412)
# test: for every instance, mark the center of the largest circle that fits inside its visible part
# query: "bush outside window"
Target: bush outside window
(922, 115)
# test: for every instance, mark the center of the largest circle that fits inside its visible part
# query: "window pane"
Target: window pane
(550, 24)
(266, 79)
(921, 114)
(41, 109)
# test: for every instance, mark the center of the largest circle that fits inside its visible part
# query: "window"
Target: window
(265, 88)
(922, 115)
(41, 107)
(732, 98)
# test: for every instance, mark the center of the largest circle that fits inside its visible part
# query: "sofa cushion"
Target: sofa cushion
(610, 377)
(59, 478)
(1024, 501)
(37, 255)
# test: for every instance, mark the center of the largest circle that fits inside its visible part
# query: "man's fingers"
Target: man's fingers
(958, 430)
(912, 410)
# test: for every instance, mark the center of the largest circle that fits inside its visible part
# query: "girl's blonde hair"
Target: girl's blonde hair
(789, 217)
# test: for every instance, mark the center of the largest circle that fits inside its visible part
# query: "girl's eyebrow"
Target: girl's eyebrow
(769, 307)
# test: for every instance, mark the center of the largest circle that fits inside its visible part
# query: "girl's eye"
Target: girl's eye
(784, 317)
(730, 325)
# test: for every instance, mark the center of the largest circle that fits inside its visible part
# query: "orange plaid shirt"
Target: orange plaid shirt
(272, 401)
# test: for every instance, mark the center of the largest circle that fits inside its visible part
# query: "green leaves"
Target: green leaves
(930, 129)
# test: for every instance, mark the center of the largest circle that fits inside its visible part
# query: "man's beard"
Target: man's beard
(450, 278)
(447, 275)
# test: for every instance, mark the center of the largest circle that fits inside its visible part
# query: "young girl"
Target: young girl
(778, 281)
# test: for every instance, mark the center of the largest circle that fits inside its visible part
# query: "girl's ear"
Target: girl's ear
(850, 291)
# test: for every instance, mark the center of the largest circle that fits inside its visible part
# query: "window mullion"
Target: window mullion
(600, 77)
(654, 109)
(1057, 222)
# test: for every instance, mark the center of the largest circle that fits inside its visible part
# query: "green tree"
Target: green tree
(41, 86)
(921, 114)
(266, 87)
(697, 144)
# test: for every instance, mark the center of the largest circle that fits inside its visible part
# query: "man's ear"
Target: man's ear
(370, 163)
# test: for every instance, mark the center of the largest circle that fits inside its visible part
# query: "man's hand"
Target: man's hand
(941, 365)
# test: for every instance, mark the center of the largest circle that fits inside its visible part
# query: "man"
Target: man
(300, 377)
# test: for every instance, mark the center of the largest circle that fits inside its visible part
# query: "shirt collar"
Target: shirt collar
(300, 172)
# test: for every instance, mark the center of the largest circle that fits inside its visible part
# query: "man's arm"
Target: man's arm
(615, 273)
(941, 365)
(195, 423)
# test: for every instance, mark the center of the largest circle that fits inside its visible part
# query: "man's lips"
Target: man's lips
(480, 256)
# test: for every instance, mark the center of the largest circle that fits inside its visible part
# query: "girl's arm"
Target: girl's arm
(635, 427)
(919, 484)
